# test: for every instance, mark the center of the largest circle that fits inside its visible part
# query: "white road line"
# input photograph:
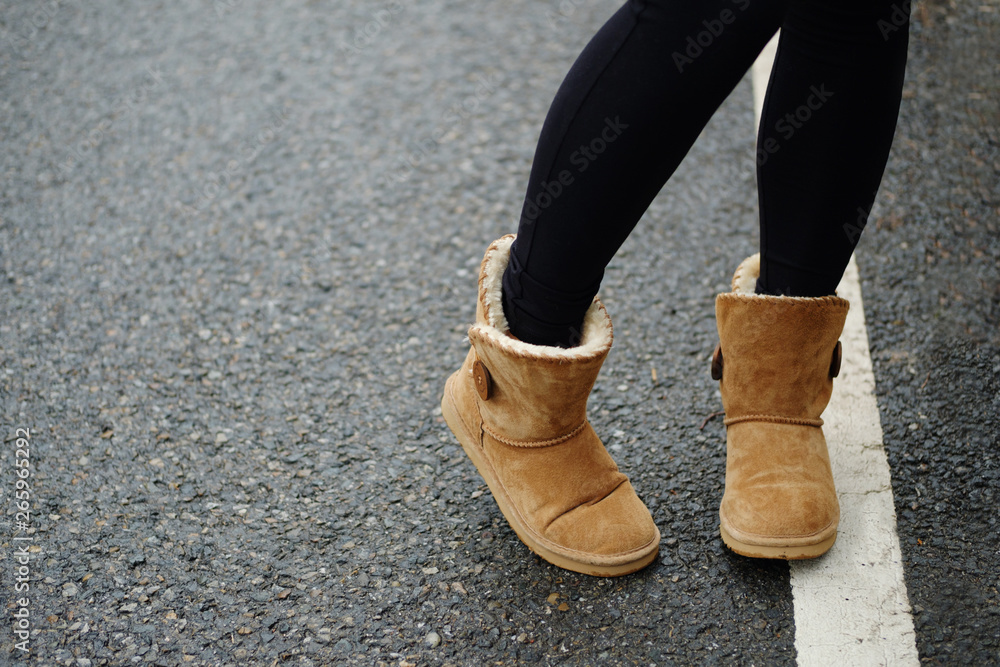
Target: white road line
(850, 605)
(760, 73)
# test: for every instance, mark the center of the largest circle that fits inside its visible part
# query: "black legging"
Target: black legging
(636, 100)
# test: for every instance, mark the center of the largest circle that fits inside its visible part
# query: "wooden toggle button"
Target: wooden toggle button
(717, 362)
(481, 377)
(835, 361)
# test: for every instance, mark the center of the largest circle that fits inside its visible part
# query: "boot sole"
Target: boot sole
(779, 552)
(523, 533)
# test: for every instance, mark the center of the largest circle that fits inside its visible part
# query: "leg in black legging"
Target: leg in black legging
(636, 100)
(627, 113)
(828, 121)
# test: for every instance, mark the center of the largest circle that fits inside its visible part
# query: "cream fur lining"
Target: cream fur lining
(745, 282)
(745, 278)
(597, 332)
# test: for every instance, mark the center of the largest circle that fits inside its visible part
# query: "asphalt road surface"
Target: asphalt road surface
(239, 251)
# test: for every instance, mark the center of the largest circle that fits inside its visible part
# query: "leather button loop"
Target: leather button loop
(835, 361)
(717, 362)
(481, 377)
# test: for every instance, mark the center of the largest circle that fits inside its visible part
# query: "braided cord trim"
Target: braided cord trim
(535, 443)
(774, 419)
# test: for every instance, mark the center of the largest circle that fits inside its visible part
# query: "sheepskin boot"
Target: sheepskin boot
(520, 412)
(776, 361)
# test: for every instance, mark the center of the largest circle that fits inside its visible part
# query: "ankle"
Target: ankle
(528, 329)
(540, 315)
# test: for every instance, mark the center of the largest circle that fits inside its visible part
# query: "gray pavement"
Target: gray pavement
(239, 245)
(931, 277)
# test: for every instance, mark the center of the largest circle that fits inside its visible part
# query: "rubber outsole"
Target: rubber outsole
(524, 534)
(777, 552)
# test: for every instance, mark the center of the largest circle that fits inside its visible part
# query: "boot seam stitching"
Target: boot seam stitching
(475, 433)
(833, 301)
(534, 443)
(539, 537)
(736, 532)
(587, 503)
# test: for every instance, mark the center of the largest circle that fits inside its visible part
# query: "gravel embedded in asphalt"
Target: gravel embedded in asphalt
(238, 267)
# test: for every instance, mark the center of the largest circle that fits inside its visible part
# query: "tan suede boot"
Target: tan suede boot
(776, 362)
(520, 412)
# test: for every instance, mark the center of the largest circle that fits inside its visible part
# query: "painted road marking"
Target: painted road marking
(850, 605)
